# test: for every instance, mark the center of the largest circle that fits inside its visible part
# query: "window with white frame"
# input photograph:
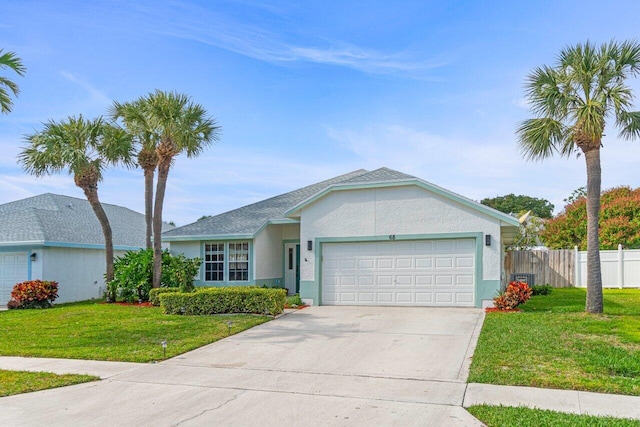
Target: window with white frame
(238, 261)
(214, 262)
(226, 261)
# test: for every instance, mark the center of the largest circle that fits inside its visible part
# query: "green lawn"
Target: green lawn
(554, 344)
(16, 382)
(91, 330)
(499, 416)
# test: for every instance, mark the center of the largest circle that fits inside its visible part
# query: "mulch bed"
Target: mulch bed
(494, 309)
(131, 304)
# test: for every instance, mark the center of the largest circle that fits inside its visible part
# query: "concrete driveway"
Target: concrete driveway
(317, 366)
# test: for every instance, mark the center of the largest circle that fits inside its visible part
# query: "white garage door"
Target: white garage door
(13, 269)
(422, 273)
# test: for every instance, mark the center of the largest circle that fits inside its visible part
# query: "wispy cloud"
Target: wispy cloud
(96, 97)
(214, 28)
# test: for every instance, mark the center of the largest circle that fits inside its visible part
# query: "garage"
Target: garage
(403, 273)
(13, 269)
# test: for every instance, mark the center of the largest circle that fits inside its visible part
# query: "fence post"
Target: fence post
(620, 267)
(576, 262)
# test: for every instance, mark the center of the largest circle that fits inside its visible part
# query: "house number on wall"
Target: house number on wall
(392, 237)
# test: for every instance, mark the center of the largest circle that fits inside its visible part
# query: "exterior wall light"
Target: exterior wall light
(33, 257)
(309, 245)
(487, 240)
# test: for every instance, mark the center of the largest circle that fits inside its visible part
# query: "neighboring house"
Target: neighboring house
(377, 237)
(54, 237)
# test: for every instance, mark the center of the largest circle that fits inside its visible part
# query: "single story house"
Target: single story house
(54, 237)
(378, 237)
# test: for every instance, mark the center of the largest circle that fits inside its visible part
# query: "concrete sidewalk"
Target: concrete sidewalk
(318, 366)
(98, 368)
(571, 401)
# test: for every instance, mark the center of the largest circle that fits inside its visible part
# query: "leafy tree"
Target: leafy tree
(512, 204)
(133, 274)
(575, 195)
(528, 234)
(572, 101)
(619, 222)
(7, 87)
(84, 148)
(136, 123)
(178, 126)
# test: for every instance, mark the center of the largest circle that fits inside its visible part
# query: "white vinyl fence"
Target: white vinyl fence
(620, 269)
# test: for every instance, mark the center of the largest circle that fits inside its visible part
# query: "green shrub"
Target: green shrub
(133, 274)
(239, 299)
(33, 294)
(541, 289)
(294, 301)
(154, 294)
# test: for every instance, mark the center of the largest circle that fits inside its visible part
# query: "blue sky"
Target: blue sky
(305, 91)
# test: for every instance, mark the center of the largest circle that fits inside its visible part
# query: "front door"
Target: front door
(292, 268)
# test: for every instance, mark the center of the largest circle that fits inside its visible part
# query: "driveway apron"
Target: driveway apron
(317, 366)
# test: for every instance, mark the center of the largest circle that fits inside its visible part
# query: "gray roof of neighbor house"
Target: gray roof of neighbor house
(56, 219)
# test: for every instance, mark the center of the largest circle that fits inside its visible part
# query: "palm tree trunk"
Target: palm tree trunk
(163, 174)
(148, 204)
(594, 274)
(91, 192)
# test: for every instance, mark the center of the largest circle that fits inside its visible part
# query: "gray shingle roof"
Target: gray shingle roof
(249, 219)
(63, 219)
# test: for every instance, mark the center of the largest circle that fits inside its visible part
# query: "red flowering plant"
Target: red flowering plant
(516, 293)
(34, 294)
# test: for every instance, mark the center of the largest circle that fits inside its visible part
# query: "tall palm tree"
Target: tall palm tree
(84, 148)
(11, 61)
(573, 100)
(137, 125)
(180, 126)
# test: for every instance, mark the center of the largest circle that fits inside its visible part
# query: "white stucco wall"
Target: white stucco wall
(79, 272)
(406, 210)
(267, 253)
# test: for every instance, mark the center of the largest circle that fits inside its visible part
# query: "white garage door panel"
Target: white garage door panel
(426, 273)
(13, 269)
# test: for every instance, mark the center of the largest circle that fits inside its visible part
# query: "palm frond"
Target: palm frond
(629, 124)
(539, 138)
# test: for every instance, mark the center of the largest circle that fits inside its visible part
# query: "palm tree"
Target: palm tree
(11, 61)
(179, 126)
(573, 100)
(137, 125)
(84, 148)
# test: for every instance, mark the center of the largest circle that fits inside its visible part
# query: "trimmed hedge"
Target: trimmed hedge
(154, 294)
(237, 299)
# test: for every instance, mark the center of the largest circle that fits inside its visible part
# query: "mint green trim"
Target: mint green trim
(23, 244)
(508, 219)
(277, 282)
(320, 241)
(21, 248)
(67, 245)
(226, 281)
(486, 290)
(89, 246)
(309, 290)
